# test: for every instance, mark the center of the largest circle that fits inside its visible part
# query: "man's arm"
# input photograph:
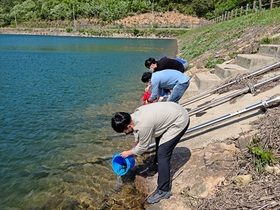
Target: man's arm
(156, 90)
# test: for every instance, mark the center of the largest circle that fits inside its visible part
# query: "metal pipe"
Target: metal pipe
(249, 108)
(236, 93)
(224, 117)
(208, 92)
(239, 92)
(268, 80)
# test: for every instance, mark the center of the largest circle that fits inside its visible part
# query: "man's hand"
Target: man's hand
(126, 153)
(149, 101)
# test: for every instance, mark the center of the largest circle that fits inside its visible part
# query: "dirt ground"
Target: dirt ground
(167, 19)
(264, 191)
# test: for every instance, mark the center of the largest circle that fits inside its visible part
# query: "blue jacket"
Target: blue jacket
(166, 79)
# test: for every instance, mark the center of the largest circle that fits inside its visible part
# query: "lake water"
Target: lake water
(57, 96)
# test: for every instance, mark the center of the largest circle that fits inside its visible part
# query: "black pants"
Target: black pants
(163, 157)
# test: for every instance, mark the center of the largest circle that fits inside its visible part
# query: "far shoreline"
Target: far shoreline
(62, 32)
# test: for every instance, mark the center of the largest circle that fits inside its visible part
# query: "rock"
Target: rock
(272, 169)
(205, 189)
(195, 173)
(242, 180)
(243, 142)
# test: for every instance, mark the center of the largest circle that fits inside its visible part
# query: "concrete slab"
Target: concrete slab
(206, 80)
(272, 50)
(254, 61)
(228, 70)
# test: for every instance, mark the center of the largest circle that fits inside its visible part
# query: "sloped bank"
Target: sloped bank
(205, 178)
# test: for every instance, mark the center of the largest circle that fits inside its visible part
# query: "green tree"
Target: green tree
(108, 10)
(22, 12)
(202, 7)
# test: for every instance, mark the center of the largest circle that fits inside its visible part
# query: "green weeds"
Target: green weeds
(260, 156)
(212, 62)
(267, 40)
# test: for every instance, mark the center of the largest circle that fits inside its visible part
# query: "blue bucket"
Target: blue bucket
(185, 63)
(122, 165)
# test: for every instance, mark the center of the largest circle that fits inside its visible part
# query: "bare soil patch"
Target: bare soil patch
(167, 19)
(264, 190)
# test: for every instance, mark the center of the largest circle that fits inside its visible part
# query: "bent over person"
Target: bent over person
(164, 63)
(166, 79)
(153, 121)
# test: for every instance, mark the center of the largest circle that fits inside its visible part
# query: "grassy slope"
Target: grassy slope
(224, 40)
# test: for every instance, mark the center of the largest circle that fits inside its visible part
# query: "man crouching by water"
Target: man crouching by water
(167, 122)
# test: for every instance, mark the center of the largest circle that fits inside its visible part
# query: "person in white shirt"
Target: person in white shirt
(153, 121)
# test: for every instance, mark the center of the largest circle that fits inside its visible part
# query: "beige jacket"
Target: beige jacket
(162, 118)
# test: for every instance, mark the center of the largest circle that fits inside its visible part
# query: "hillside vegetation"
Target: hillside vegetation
(206, 46)
(29, 12)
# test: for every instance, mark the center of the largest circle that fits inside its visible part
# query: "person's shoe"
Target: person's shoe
(158, 195)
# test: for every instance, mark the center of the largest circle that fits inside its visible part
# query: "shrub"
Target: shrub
(211, 63)
(260, 156)
(69, 30)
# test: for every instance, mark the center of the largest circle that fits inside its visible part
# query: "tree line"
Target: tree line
(19, 11)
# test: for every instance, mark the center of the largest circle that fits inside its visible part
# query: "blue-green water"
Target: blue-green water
(57, 96)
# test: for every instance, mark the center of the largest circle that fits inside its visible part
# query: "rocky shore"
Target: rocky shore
(62, 32)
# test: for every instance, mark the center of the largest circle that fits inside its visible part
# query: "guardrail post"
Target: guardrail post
(254, 6)
(247, 8)
(271, 4)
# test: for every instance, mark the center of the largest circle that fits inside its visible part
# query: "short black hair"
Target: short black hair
(146, 77)
(149, 62)
(120, 121)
